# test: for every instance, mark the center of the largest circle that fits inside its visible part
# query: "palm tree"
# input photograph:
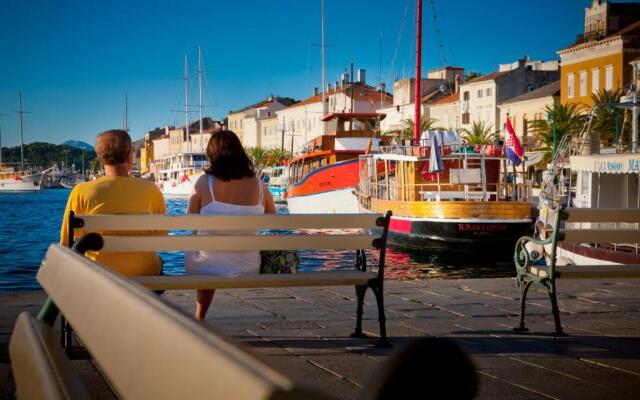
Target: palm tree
(277, 156)
(568, 120)
(259, 156)
(606, 115)
(405, 132)
(480, 133)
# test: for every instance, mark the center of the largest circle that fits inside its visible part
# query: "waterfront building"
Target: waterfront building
(480, 96)
(270, 136)
(599, 59)
(246, 121)
(439, 84)
(302, 120)
(529, 107)
(146, 151)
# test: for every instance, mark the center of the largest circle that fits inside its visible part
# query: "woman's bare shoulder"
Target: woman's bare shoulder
(202, 183)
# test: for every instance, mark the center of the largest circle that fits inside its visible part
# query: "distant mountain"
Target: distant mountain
(78, 145)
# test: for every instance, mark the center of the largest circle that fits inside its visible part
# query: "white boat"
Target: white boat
(177, 171)
(607, 179)
(12, 180)
(278, 179)
(16, 178)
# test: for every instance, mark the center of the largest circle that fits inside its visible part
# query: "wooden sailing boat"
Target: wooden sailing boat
(466, 199)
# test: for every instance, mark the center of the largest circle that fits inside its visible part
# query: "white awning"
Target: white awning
(607, 163)
(533, 158)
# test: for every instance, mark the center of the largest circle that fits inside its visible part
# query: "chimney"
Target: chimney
(345, 78)
(361, 75)
(337, 85)
(315, 91)
(457, 79)
(382, 87)
(328, 87)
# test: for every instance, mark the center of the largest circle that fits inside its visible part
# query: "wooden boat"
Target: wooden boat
(323, 179)
(469, 203)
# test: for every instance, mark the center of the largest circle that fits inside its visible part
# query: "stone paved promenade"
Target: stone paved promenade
(305, 333)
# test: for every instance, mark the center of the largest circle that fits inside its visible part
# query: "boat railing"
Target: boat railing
(500, 191)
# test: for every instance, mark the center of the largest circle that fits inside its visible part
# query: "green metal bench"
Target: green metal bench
(568, 228)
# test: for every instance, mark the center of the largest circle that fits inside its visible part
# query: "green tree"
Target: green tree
(568, 120)
(277, 156)
(606, 113)
(406, 129)
(480, 133)
(471, 75)
(259, 156)
(46, 154)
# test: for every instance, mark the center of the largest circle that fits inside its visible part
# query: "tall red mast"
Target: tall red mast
(416, 128)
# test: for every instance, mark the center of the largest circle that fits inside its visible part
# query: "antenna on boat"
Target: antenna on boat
(416, 128)
(21, 112)
(1, 115)
(200, 72)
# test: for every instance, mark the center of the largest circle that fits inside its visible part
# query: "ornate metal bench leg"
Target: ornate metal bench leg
(523, 288)
(360, 292)
(384, 341)
(551, 288)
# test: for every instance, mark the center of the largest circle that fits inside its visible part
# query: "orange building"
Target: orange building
(599, 60)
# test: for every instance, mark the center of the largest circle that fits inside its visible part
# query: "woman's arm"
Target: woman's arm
(269, 205)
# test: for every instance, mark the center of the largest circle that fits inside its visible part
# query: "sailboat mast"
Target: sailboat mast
(200, 72)
(416, 128)
(324, 76)
(21, 131)
(186, 101)
(126, 113)
(1, 115)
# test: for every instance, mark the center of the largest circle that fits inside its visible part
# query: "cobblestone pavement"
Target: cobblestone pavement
(305, 333)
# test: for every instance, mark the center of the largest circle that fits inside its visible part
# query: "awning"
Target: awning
(607, 163)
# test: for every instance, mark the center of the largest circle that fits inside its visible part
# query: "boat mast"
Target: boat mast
(324, 77)
(1, 115)
(21, 112)
(186, 101)
(126, 113)
(416, 128)
(200, 72)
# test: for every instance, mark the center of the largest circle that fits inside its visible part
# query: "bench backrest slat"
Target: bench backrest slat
(601, 236)
(236, 243)
(145, 347)
(40, 368)
(629, 215)
(228, 222)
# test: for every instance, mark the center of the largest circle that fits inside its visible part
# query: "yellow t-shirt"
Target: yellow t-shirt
(117, 195)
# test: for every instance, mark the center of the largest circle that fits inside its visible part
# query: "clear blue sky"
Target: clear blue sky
(75, 60)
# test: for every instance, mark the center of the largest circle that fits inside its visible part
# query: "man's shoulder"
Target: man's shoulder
(145, 184)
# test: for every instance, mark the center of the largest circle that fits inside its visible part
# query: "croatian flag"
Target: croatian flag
(514, 148)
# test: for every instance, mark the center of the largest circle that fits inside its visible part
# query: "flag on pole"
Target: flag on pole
(514, 150)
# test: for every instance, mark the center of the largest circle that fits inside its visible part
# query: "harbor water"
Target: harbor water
(30, 222)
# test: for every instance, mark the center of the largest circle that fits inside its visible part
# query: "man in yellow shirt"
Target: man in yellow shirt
(116, 193)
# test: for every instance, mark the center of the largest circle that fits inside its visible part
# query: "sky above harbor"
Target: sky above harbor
(74, 61)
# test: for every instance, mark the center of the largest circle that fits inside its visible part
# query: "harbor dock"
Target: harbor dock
(303, 332)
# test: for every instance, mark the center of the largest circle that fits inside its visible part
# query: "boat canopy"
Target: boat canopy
(607, 163)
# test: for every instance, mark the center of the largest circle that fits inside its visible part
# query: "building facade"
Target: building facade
(246, 121)
(529, 107)
(599, 59)
(479, 97)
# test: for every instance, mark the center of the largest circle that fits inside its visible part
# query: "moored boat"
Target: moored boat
(14, 180)
(469, 202)
(324, 178)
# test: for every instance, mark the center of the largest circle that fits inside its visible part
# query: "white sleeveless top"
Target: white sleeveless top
(225, 263)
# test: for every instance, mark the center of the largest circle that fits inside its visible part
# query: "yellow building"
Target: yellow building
(599, 60)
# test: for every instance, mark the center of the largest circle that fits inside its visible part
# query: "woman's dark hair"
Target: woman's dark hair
(228, 159)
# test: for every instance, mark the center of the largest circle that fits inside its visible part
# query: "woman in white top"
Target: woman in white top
(230, 186)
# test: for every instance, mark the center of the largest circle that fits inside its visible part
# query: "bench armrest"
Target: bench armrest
(522, 256)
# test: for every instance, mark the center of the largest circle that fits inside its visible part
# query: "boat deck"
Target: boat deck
(305, 333)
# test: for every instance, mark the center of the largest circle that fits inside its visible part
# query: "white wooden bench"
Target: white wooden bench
(544, 270)
(143, 346)
(357, 232)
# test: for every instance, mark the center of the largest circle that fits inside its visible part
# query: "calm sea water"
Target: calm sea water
(30, 222)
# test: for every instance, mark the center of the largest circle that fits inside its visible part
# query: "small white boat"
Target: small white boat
(17, 181)
(278, 181)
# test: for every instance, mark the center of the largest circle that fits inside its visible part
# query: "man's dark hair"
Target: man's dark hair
(113, 147)
(228, 159)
